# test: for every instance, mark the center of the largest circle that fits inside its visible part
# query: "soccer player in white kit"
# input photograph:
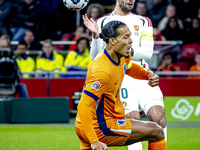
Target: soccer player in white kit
(134, 93)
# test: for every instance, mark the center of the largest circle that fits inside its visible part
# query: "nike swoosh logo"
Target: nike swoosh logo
(116, 82)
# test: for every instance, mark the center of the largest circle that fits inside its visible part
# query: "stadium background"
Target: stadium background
(46, 119)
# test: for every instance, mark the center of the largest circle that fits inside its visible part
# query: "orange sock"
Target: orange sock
(161, 145)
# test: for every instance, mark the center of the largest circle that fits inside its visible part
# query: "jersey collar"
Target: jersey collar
(106, 53)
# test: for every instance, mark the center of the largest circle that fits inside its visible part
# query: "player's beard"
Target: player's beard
(123, 7)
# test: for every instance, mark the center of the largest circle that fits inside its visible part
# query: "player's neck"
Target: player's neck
(119, 12)
(113, 55)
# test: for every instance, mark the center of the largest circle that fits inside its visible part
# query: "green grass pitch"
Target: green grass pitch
(64, 138)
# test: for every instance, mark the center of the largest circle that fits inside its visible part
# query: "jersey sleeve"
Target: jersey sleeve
(136, 71)
(145, 50)
(95, 87)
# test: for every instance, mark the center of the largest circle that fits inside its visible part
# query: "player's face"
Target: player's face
(124, 41)
(126, 5)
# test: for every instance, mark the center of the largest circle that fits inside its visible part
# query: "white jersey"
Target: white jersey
(141, 29)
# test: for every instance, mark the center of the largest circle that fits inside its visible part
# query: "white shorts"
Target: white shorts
(138, 94)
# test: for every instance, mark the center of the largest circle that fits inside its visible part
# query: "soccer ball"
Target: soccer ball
(75, 5)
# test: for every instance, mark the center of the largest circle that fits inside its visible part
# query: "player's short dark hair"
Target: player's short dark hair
(110, 30)
(23, 43)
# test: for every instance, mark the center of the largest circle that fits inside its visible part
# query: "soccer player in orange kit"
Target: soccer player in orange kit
(100, 120)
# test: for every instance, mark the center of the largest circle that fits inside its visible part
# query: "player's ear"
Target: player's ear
(112, 41)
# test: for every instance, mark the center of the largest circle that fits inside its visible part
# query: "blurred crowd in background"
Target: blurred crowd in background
(32, 21)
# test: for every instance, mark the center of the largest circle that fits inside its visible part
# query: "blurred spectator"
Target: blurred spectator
(141, 8)
(186, 11)
(25, 19)
(157, 12)
(172, 31)
(80, 32)
(32, 44)
(49, 60)
(80, 59)
(170, 12)
(5, 9)
(5, 41)
(197, 66)
(194, 32)
(166, 64)
(95, 11)
(25, 62)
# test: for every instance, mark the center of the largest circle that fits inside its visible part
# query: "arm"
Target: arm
(137, 72)
(87, 105)
(145, 50)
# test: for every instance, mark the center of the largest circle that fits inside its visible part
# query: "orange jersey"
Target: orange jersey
(100, 102)
(194, 68)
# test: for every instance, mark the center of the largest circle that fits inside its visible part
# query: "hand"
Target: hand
(91, 25)
(99, 146)
(153, 80)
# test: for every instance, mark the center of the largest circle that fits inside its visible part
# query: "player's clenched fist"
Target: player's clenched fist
(99, 146)
(153, 80)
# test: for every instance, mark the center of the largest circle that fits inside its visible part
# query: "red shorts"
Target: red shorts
(120, 130)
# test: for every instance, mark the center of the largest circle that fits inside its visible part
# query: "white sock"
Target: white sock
(135, 146)
(165, 132)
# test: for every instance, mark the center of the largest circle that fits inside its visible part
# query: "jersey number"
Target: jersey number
(124, 93)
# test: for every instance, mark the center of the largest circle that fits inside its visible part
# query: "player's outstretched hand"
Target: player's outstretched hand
(99, 146)
(153, 80)
(91, 25)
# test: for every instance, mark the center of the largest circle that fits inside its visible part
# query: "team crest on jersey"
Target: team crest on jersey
(95, 85)
(124, 68)
(124, 103)
(136, 27)
(121, 122)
